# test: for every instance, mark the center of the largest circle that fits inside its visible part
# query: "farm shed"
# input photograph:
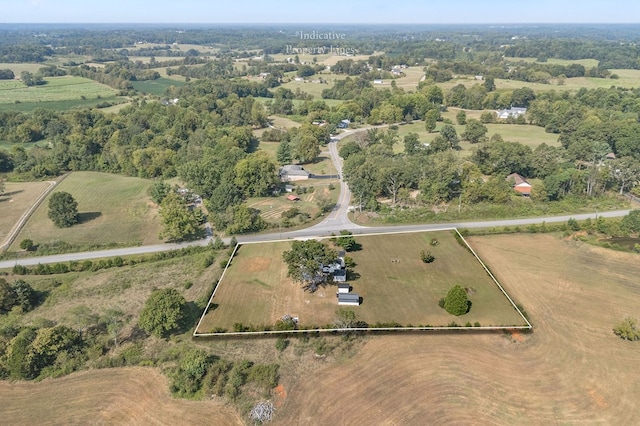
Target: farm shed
(349, 299)
(344, 288)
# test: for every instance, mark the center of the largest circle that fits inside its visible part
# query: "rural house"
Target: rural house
(512, 112)
(520, 184)
(293, 172)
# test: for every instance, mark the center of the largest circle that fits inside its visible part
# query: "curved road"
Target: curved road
(335, 221)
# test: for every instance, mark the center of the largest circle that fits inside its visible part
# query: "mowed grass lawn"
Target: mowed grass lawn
(57, 89)
(396, 286)
(113, 209)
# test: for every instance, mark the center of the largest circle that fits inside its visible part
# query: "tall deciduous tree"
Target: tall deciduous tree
(305, 259)
(474, 132)
(63, 209)
(283, 153)
(179, 222)
(255, 175)
(164, 312)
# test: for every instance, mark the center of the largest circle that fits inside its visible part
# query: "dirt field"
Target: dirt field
(131, 396)
(572, 369)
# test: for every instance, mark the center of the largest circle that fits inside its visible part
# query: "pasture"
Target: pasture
(17, 198)
(57, 89)
(532, 136)
(396, 286)
(156, 87)
(113, 210)
(570, 369)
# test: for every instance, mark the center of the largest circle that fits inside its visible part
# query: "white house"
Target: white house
(511, 112)
(293, 172)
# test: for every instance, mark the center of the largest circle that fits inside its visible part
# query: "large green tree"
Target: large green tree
(63, 209)
(164, 312)
(304, 262)
(256, 175)
(178, 220)
(474, 131)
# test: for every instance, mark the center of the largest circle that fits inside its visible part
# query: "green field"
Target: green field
(156, 87)
(57, 89)
(396, 286)
(113, 210)
(531, 136)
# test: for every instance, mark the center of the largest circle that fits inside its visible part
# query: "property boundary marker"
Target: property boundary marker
(527, 327)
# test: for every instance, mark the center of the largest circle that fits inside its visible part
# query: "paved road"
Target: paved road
(336, 221)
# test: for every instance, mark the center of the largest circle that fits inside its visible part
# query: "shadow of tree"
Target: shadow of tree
(85, 217)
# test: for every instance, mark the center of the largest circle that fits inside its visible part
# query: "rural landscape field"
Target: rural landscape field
(557, 373)
(174, 194)
(395, 286)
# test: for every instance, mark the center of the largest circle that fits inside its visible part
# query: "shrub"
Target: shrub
(26, 244)
(426, 256)
(456, 302)
(628, 329)
(281, 344)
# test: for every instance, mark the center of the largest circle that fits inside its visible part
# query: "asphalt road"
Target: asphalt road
(336, 221)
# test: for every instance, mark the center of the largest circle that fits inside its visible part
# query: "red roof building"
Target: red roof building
(520, 184)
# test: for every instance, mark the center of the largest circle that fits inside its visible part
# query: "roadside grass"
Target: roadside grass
(57, 89)
(396, 286)
(156, 87)
(126, 288)
(15, 201)
(113, 210)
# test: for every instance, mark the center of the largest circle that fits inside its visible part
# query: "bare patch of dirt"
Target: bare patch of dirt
(259, 264)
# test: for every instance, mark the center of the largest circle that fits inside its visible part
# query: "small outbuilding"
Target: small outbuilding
(352, 299)
(344, 288)
(292, 197)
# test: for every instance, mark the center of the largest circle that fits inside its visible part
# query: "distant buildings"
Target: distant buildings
(293, 172)
(512, 112)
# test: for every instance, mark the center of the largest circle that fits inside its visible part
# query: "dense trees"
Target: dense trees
(63, 209)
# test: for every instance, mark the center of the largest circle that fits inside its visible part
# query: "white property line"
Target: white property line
(495, 280)
(27, 214)
(235, 249)
(426, 328)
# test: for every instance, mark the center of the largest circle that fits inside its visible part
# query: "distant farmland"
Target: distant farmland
(156, 87)
(57, 89)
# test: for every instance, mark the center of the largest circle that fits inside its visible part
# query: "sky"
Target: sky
(325, 11)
